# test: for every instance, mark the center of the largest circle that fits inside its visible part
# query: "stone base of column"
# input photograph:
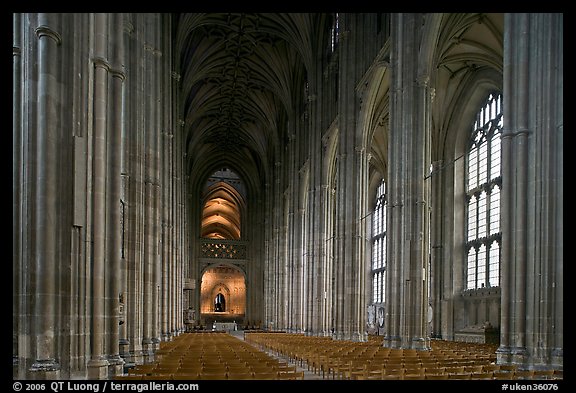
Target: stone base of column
(147, 350)
(511, 355)
(97, 368)
(393, 342)
(15, 367)
(123, 348)
(519, 356)
(45, 369)
(166, 337)
(421, 343)
(135, 357)
(503, 355)
(360, 337)
(116, 366)
(557, 358)
(339, 336)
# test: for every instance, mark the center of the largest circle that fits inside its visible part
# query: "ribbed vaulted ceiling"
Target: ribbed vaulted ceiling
(242, 76)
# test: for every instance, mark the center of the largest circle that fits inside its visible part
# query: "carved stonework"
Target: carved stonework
(219, 249)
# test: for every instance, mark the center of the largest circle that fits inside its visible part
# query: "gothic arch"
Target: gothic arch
(465, 62)
(223, 209)
(228, 279)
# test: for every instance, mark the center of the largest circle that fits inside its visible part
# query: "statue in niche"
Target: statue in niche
(371, 316)
(380, 316)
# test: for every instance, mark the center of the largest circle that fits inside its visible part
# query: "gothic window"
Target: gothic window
(483, 186)
(379, 245)
(334, 33)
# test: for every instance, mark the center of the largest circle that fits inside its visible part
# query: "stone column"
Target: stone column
(170, 82)
(268, 273)
(283, 266)
(361, 241)
(531, 313)
(151, 186)
(327, 261)
(316, 235)
(437, 274)
(123, 340)
(17, 168)
(114, 206)
(179, 211)
(134, 168)
(156, 124)
(97, 366)
(167, 209)
(46, 365)
(293, 278)
(408, 211)
(279, 305)
(351, 205)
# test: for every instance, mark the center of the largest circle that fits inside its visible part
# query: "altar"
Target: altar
(224, 326)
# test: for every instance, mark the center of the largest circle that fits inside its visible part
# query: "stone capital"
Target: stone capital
(118, 73)
(45, 31)
(100, 62)
(423, 80)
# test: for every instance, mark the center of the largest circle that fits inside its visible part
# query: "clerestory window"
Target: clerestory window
(483, 187)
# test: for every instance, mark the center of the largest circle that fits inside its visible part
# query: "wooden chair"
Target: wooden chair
(435, 376)
(473, 369)
(490, 367)
(523, 374)
(188, 370)
(129, 377)
(394, 373)
(265, 375)
(185, 376)
(413, 376)
(369, 375)
(241, 375)
(503, 375)
(158, 377)
(508, 367)
(411, 370)
(482, 375)
(454, 370)
(212, 376)
(142, 369)
(460, 376)
(543, 374)
(290, 375)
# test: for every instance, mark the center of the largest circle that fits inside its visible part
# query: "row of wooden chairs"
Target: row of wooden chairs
(246, 375)
(370, 360)
(211, 355)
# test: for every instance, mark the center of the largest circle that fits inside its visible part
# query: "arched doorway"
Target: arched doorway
(222, 294)
(219, 303)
